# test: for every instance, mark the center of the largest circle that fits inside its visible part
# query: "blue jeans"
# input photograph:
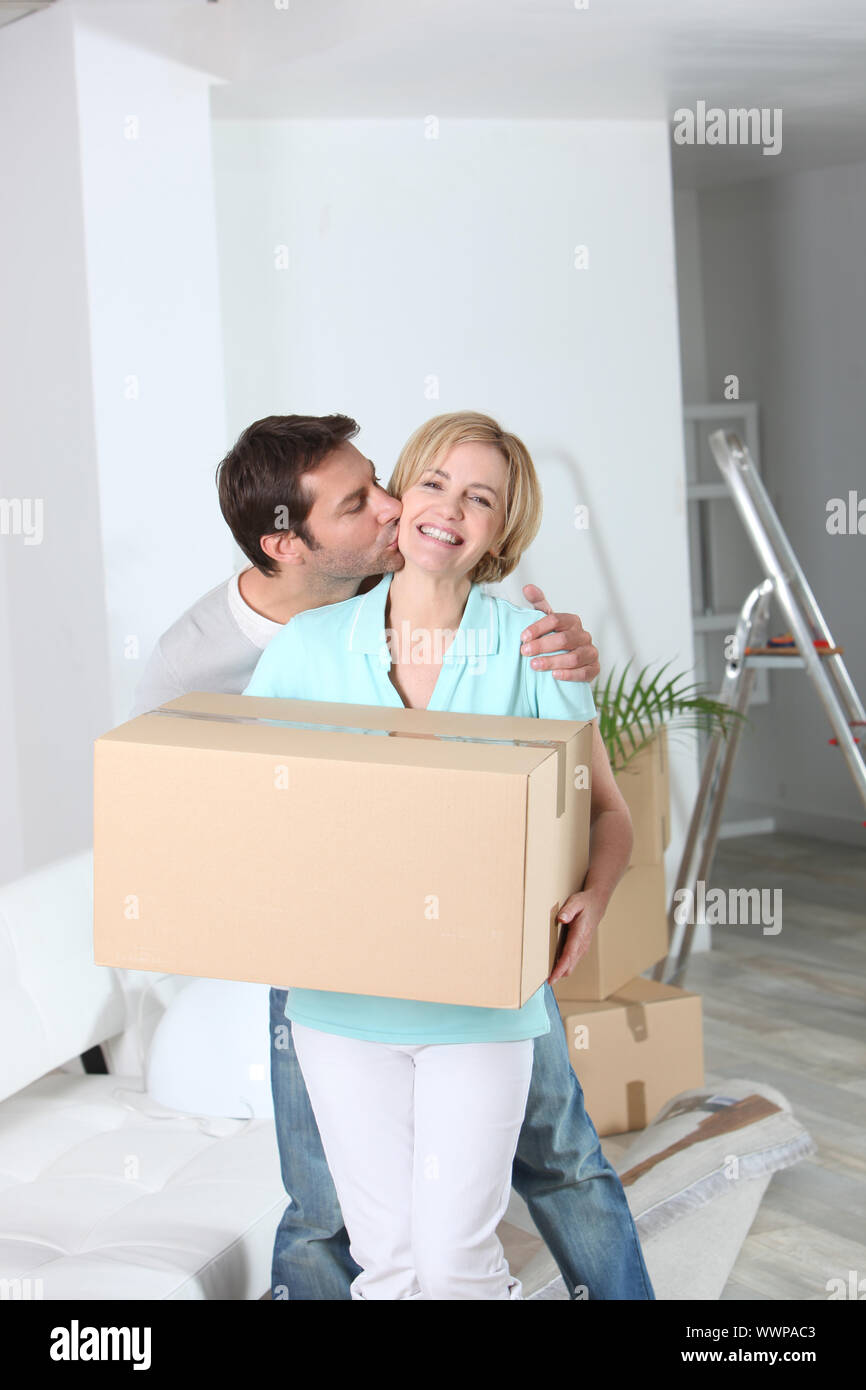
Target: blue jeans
(573, 1193)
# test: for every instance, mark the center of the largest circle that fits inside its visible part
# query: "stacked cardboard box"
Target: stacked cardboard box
(633, 1051)
(633, 1042)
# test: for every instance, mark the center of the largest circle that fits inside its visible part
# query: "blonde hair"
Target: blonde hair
(522, 490)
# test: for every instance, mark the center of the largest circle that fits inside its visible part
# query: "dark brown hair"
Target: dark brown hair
(262, 473)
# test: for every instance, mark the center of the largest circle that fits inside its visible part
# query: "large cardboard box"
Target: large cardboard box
(631, 936)
(645, 785)
(634, 1051)
(357, 848)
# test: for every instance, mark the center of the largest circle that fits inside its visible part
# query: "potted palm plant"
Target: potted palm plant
(633, 712)
(634, 715)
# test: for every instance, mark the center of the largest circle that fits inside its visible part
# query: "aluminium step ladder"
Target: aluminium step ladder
(786, 583)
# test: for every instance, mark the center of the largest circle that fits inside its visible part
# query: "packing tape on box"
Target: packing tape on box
(558, 745)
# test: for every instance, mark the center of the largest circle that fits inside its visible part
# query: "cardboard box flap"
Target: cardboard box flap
(396, 718)
(518, 746)
(637, 991)
(326, 745)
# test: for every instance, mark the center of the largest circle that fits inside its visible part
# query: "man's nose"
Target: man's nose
(390, 508)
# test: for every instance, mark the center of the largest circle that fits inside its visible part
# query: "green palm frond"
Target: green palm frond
(631, 712)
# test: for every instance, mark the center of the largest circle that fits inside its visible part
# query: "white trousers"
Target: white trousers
(420, 1141)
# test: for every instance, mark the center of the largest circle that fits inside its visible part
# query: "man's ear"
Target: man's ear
(284, 547)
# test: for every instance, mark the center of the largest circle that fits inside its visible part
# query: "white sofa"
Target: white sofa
(103, 1192)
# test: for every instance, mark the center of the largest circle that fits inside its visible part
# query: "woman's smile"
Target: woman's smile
(440, 535)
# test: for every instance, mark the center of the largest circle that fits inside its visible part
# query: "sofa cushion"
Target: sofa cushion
(105, 1194)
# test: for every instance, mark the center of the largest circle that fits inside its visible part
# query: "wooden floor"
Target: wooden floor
(790, 1010)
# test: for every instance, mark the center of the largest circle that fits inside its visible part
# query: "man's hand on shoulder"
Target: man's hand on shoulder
(575, 659)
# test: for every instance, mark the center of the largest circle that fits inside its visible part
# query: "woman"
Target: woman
(419, 1105)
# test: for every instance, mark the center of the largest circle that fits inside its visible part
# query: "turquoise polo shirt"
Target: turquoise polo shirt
(340, 653)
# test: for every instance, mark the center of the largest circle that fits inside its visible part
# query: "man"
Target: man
(307, 509)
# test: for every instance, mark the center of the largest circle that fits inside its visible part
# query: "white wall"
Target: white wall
(784, 292)
(54, 694)
(156, 340)
(693, 347)
(107, 269)
(453, 258)
(11, 838)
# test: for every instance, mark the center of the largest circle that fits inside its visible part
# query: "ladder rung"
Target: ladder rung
(792, 651)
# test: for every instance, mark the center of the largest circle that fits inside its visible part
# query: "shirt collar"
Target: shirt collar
(258, 629)
(478, 634)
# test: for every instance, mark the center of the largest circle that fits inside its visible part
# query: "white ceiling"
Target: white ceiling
(616, 59)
